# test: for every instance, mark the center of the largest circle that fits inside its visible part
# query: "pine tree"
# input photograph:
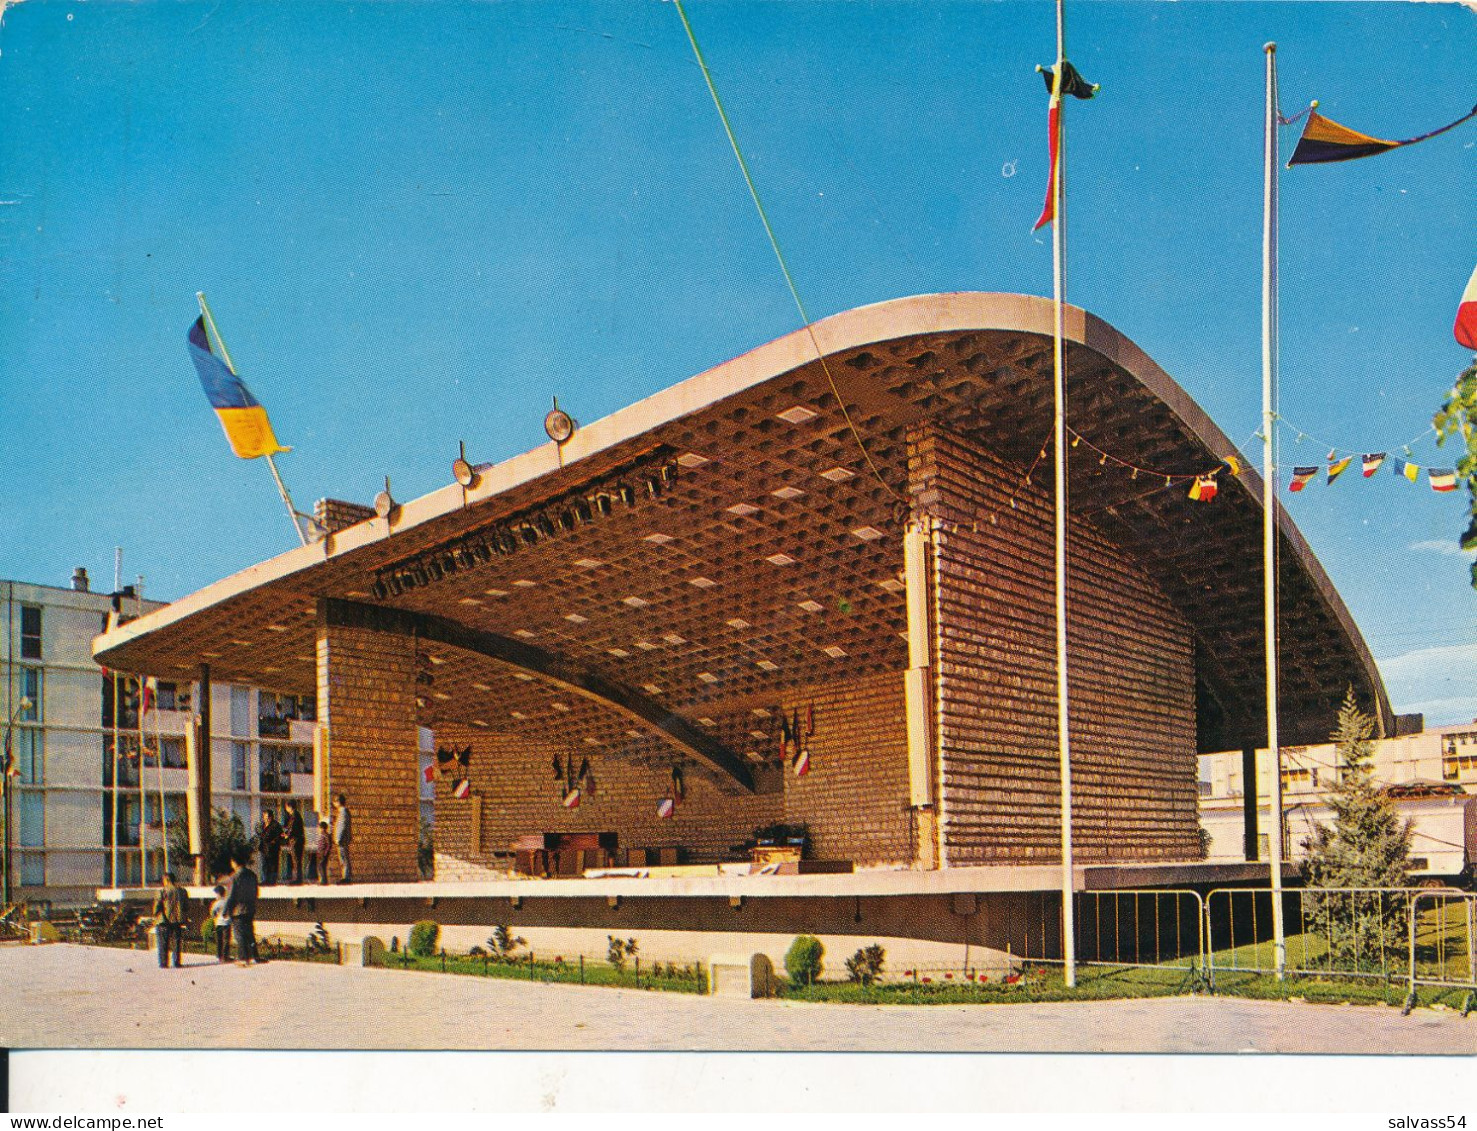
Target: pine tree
(1367, 846)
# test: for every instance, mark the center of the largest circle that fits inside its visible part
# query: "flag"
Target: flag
(1372, 463)
(666, 807)
(1337, 467)
(245, 421)
(1465, 328)
(786, 735)
(1064, 80)
(1301, 477)
(1203, 489)
(444, 759)
(802, 761)
(429, 773)
(572, 798)
(151, 690)
(1324, 140)
(679, 787)
(464, 757)
(1234, 464)
(1442, 478)
(462, 787)
(1410, 470)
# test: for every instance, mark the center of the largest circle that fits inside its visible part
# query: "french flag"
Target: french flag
(1466, 315)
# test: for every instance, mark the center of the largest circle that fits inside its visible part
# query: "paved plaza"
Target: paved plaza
(66, 996)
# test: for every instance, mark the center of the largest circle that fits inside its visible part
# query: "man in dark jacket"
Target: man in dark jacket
(240, 908)
(343, 835)
(293, 837)
(169, 920)
(269, 845)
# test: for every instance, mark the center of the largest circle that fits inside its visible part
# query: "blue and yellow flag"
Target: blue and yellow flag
(245, 421)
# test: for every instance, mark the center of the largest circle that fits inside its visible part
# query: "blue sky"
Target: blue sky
(418, 222)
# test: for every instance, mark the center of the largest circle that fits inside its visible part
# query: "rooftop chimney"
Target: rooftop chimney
(79, 579)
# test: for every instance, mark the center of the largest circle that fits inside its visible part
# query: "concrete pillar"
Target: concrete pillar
(918, 693)
(1248, 801)
(198, 797)
(370, 749)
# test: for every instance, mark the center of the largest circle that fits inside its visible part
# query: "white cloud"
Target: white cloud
(1446, 546)
(1439, 682)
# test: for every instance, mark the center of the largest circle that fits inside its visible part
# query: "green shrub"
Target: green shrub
(803, 960)
(502, 943)
(207, 931)
(618, 950)
(423, 938)
(865, 966)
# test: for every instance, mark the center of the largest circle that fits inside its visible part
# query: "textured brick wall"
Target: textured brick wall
(366, 699)
(855, 797)
(513, 783)
(1132, 679)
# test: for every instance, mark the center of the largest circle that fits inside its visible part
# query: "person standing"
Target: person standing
(343, 832)
(240, 908)
(169, 920)
(294, 839)
(322, 850)
(222, 925)
(269, 845)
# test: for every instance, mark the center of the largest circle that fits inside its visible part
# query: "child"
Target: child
(321, 849)
(222, 925)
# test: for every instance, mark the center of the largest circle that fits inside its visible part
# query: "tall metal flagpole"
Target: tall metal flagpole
(1059, 286)
(220, 344)
(1269, 501)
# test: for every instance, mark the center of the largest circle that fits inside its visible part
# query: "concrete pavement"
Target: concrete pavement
(66, 996)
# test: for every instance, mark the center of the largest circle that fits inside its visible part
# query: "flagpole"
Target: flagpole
(1059, 373)
(271, 462)
(1269, 502)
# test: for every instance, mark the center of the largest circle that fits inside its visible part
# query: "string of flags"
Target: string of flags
(1440, 478)
(795, 739)
(573, 786)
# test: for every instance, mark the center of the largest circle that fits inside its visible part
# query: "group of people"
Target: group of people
(234, 909)
(281, 845)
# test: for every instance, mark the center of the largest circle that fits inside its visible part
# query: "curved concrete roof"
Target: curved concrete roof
(615, 592)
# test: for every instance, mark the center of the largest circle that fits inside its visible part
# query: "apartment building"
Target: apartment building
(1430, 774)
(101, 759)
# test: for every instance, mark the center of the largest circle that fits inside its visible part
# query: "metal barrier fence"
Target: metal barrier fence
(1158, 929)
(1443, 944)
(1356, 933)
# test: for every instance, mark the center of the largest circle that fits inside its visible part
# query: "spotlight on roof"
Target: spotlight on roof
(559, 424)
(384, 502)
(462, 471)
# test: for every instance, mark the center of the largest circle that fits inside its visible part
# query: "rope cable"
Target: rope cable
(778, 254)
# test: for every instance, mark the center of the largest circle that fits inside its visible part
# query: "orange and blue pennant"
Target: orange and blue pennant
(1325, 140)
(1337, 467)
(243, 418)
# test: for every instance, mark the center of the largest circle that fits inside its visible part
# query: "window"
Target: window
(166, 696)
(174, 753)
(32, 819)
(273, 776)
(1206, 788)
(276, 713)
(241, 807)
(120, 701)
(296, 759)
(126, 761)
(238, 765)
(33, 869)
(30, 632)
(241, 711)
(31, 689)
(29, 749)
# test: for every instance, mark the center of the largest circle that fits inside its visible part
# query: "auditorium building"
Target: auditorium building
(806, 596)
